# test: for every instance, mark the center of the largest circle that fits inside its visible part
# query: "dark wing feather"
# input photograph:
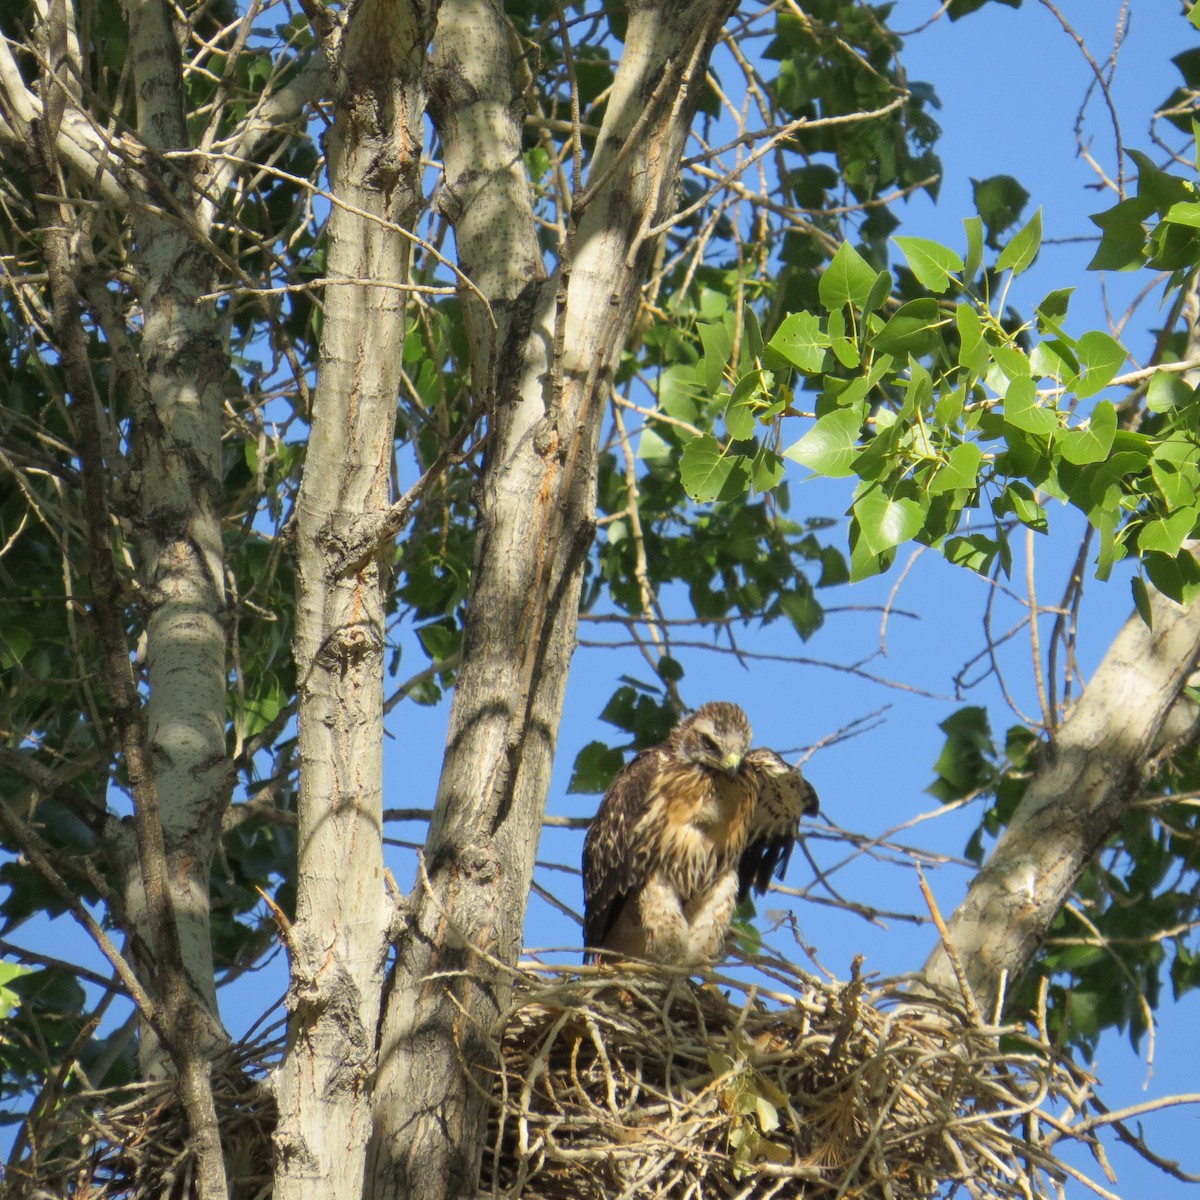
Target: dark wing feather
(616, 860)
(784, 796)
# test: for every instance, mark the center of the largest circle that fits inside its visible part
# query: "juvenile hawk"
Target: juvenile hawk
(686, 830)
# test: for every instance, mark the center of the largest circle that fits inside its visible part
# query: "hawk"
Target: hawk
(686, 830)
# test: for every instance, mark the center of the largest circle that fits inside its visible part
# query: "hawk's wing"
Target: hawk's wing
(616, 858)
(784, 796)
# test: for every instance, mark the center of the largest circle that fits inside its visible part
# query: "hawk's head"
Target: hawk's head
(716, 736)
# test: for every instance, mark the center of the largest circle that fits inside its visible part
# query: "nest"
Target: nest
(639, 1084)
(132, 1142)
(624, 1086)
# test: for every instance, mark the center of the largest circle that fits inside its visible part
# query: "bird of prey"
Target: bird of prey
(686, 830)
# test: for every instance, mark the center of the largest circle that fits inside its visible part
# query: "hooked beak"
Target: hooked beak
(733, 760)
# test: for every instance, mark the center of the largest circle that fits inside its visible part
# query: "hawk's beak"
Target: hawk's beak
(733, 760)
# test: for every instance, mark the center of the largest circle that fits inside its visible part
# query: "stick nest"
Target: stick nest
(639, 1083)
(632, 1085)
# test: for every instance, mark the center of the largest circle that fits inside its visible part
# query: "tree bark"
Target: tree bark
(556, 346)
(1092, 774)
(177, 406)
(339, 939)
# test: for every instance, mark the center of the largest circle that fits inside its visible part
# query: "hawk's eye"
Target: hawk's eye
(709, 744)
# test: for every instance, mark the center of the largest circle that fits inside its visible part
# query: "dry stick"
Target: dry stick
(1105, 91)
(959, 974)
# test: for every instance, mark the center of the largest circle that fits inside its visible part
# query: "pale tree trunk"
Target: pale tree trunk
(339, 940)
(178, 488)
(1093, 772)
(548, 371)
(174, 750)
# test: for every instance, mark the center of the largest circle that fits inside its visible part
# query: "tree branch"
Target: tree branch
(1090, 778)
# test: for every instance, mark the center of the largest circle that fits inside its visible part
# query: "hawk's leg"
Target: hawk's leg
(664, 926)
(708, 916)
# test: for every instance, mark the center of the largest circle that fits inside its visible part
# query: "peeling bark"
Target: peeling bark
(1093, 772)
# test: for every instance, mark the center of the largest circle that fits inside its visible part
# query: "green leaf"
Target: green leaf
(972, 353)
(1022, 410)
(1166, 535)
(1178, 485)
(1018, 499)
(653, 447)
(740, 410)
(930, 262)
(961, 470)
(863, 563)
(596, 765)
(1167, 390)
(678, 392)
(1157, 186)
(440, 641)
(1178, 577)
(801, 341)
(766, 470)
(803, 610)
(830, 446)
(715, 340)
(1012, 361)
(999, 200)
(1053, 359)
(10, 999)
(974, 229)
(1122, 235)
(708, 473)
(845, 350)
(1023, 249)
(1092, 444)
(1185, 212)
(1100, 358)
(847, 280)
(881, 289)
(886, 522)
(912, 329)
(976, 552)
(1141, 601)
(754, 337)
(1053, 310)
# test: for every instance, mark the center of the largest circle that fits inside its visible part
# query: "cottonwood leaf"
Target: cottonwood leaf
(802, 341)
(886, 522)
(707, 472)
(961, 470)
(1166, 535)
(912, 329)
(1023, 248)
(1100, 358)
(930, 262)
(847, 280)
(830, 446)
(1092, 444)
(1022, 410)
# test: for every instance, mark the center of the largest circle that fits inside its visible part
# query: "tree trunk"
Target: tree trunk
(339, 939)
(177, 468)
(1093, 771)
(549, 376)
